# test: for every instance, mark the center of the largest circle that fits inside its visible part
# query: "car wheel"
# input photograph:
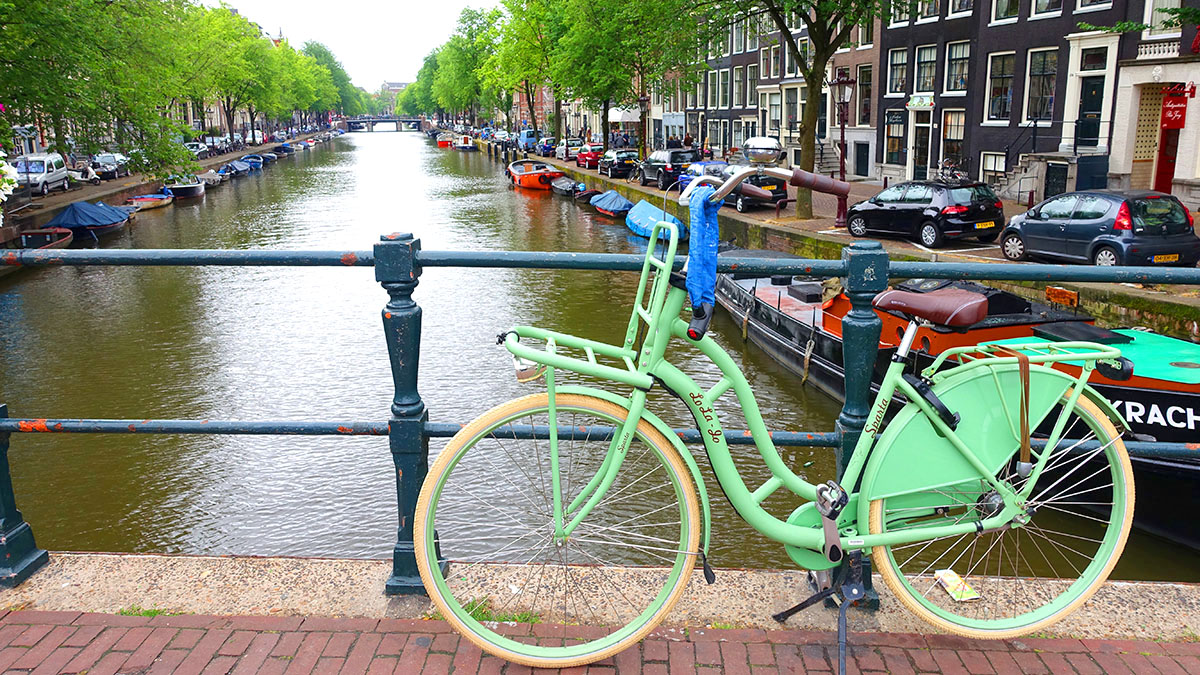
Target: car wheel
(643, 179)
(857, 226)
(989, 238)
(930, 235)
(66, 185)
(662, 181)
(1105, 256)
(1013, 247)
(741, 204)
(45, 189)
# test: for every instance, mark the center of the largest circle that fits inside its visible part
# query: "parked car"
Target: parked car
(706, 168)
(42, 171)
(567, 148)
(199, 150)
(110, 165)
(776, 186)
(501, 136)
(618, 162)
(663, 167)
(931, 212)
(1106, 227)
(545, 146)
(526, 139)
(588, 156)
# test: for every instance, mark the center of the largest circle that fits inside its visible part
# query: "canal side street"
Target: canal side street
(1166, 309)
(104, 613)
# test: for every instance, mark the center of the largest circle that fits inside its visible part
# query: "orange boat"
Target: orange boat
(533, 174)
(445, 140)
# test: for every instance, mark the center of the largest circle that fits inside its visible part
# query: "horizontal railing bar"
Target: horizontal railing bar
(600, 433)
(300, 428)
(593, 261)
(444, 430)
(187, 257)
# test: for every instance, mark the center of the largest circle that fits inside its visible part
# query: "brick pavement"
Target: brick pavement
(104, 644)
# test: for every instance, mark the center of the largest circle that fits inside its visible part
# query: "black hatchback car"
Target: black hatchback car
(931, 212)
(663, 167)
(1106, 227)
(616, 162)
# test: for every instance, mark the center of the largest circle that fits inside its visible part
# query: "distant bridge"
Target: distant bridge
(368, 123)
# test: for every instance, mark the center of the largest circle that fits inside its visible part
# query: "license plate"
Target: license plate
(985, 225)
(629, 161)
(686, 165)
(768, 187)
(1172, 257)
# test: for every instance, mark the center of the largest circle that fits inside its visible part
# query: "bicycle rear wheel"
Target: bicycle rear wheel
(1027, 576)
(493, 567)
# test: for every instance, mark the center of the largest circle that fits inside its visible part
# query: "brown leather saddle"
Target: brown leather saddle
(949, 306)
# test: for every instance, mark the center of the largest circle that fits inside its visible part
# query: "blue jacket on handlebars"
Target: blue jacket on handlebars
(702, 249)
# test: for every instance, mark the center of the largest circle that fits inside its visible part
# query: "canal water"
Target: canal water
(307, 344)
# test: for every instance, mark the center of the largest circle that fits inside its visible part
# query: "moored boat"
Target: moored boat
(211, 178)
(43, 239)
(566, 186)
(153, 201)
(611, 203)
(255, 161)
(466, 144)
(269, 157)
(184, 187)
(445, 140)
(284, 149)
(642, 218)
(89, 222)
(533, 174)
(586, 196)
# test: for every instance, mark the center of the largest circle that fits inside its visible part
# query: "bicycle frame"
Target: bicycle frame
(661, 316)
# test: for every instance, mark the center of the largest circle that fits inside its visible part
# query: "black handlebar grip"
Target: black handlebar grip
(701, 317)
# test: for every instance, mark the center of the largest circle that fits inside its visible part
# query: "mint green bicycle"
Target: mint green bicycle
(975, 527)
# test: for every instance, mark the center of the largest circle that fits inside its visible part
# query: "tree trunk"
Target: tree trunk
(558, 116)
(808, 145)
(530, 106)
(253, 114)
(227, 104)
(604, 124)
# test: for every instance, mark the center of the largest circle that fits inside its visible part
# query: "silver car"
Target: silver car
(42, 171)
(568, 148)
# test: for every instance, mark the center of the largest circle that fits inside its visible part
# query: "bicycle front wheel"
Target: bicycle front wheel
(484, 533)
(1022, 577)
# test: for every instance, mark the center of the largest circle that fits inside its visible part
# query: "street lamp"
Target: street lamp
(842, 89)
(644, 120)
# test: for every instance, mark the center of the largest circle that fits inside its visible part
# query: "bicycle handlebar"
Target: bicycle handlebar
(796, 177)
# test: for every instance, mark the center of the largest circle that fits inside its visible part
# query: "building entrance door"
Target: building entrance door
(1091, 105)
(1164, 168)
(919, 170)
(862, 159)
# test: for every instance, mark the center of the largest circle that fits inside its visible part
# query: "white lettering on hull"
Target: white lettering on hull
(1174, 416)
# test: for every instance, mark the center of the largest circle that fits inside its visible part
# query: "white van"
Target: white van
(257, 137)
(42, 171)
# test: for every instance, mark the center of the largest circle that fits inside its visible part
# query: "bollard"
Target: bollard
(866, 277)
(1030, 204)
(19, 555)
(885, 182)
(396, 269)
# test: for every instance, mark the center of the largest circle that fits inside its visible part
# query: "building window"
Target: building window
(1043, 71)
(739, 87)
(1094, 59)
(691, 98)
(954, 123)
(958, 57)
(789, 62)
(926, 68)
(899, 11)
(751, 85)
(765, 60)
(1093, 3)
(737, 134)
(929, 9)
(790, 98)
(775, 61)
(864, 95)
(724, 88)
(961, 6)
(991, 168)
(774, 110)
(1005, 9)
(752, 35)
(712, 90)
(898, 71)
(739, 36)
(1155, 18)
(895, 137)
(866, 33)
(1000, 79)
(1047, 6)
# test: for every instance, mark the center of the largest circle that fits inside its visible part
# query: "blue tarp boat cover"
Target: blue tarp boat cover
(121, 212)
(611, 201)
(83, 214)
(643, 217)
(702, 249)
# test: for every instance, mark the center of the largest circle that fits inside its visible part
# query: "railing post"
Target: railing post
(866, 277)
(396, 269)
(20, 555)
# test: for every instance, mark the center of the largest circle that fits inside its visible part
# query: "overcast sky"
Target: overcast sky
(375, 40)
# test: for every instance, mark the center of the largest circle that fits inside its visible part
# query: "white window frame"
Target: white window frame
(983, 162)
(1024, 118)
(1148, 19)
(959, 15)
(1080, 8)
(987, 91)
(752, 31)
(917, 66)
(867, 45)
(888, 93)
(946, 90)
(764, 61)
(752, 91)
(921, 18)
(739, 87)
(713, 97)
(1035, 15)
(893, 22)
(728, 42)
(776, 66)
(1002, 22)
(724, 86)
(739, 45)
(942, 131)
(858, 94)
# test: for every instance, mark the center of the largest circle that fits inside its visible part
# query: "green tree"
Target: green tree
(526, 42)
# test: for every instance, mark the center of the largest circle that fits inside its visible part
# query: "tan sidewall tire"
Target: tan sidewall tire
(515, 407)
(879, 554)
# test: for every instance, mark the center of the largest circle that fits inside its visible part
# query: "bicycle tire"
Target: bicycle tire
(480, 600)
(1052, 605)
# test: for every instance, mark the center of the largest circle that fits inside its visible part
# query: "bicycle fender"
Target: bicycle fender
(912, 454)
(669, 433)
(1106, 407)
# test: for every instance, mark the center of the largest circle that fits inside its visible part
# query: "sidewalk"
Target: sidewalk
(103, 644)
